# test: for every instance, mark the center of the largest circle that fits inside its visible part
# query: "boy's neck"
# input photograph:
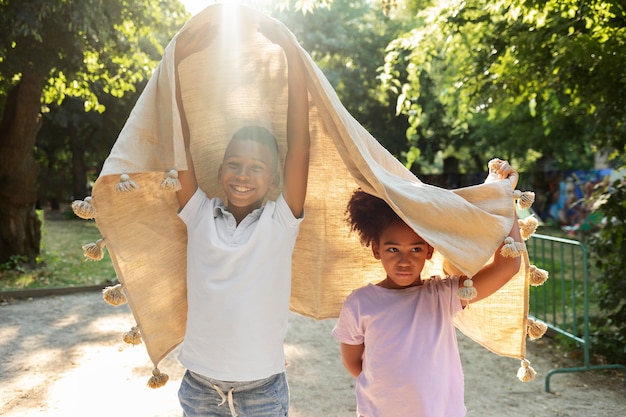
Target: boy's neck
(240, 213)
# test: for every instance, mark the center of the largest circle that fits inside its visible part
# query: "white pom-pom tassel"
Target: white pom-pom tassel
(133, 336)
(524, 199)
(468, 291)
(526, 373)
(126, 184)
(536, 328)
(537, 276)
(512, 248)
(94, 251)
(84, 209)
(114, 295)
(171, 182)
(157, 379)
(528, 226)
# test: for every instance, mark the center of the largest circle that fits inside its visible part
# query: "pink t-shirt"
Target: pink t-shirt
(411, 363)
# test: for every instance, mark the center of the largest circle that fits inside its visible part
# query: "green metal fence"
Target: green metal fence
(562, 302)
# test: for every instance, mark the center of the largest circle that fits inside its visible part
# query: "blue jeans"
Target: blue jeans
(200, 396)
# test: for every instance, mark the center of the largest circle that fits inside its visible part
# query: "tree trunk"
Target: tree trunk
(20, 228)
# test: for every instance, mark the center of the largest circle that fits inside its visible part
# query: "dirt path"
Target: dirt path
(63, 356)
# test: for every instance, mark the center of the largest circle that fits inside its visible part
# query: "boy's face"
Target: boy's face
(247, 173)
(403, 254)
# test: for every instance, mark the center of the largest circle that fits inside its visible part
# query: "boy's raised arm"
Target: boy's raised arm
(296, 170)
(187, 43)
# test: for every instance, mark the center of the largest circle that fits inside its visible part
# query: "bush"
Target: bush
(607, 249)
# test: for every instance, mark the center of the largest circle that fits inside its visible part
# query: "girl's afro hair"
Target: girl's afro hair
(369, 216)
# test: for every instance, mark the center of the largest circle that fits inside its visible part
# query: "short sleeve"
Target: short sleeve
(452, 284)
(193, 207)
(349, 329)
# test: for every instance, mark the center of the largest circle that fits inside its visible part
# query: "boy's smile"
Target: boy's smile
(247, 173)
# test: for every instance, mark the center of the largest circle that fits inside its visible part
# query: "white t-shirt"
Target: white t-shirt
(238, 289)
(411, 363)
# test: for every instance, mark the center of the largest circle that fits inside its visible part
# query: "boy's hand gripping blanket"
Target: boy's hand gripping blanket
(241, 79)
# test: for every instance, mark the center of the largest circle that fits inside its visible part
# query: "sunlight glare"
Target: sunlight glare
(196, 6)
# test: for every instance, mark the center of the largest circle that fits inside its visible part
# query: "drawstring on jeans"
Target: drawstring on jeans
(231, 405)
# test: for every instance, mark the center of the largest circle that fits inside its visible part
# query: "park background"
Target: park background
(443, 85)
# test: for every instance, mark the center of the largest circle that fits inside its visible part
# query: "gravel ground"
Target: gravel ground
(63, 356)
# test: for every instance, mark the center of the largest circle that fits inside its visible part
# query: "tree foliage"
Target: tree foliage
(517, 78)
(347, 41)
(608, 247)
(49, 51)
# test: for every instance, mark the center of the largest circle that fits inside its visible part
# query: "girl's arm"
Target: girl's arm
(296, 169)
(352, 357)
(495, 275)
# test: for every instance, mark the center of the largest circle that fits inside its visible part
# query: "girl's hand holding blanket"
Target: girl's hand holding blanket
(499, 170)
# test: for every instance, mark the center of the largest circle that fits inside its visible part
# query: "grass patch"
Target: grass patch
(61, 262)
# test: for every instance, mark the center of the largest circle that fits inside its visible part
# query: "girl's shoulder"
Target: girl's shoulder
(445, 281)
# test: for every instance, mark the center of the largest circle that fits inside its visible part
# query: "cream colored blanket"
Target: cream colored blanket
(241, 79)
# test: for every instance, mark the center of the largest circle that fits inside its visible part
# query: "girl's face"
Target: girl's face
(247, 173)
(403, 254)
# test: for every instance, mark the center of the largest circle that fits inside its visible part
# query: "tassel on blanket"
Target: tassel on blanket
(133, 336)
(512, 248)
(526, 373)
(126, 184)
(94, 251)
(114, 295)
(536, 328)
(524, 199)
(528, 226)
(537, 276)
(171, 182)
(84, 209)
(468, 291)
(157, 379)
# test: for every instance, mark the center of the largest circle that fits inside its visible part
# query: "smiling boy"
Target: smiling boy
(239, 256)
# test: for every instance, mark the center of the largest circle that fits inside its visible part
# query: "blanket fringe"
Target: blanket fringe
(133, 336)
(157, 379)
(84, 209)
(526, 373)
(171, 182)
(536, 328)
(126, 184)
(528, 226)
(94, 251)
(114, 295)
(524, 199)
(468, 291)
(537, 276)
(512, 248)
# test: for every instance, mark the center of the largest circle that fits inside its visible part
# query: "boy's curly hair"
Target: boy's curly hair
(369, 216)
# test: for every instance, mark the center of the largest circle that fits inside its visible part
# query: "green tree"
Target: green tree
(53, 50)
(521, 79)
(347, 41)
(608, 246)
(72, 144)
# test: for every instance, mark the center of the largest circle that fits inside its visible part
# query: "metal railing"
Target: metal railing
(562, 302)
